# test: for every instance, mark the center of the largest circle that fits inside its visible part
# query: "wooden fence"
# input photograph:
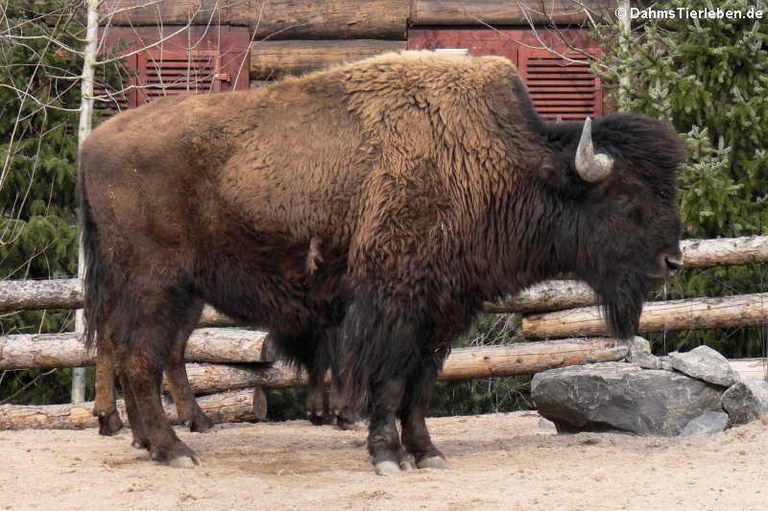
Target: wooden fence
(230, 366)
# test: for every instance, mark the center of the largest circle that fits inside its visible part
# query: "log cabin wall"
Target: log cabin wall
(288, 37)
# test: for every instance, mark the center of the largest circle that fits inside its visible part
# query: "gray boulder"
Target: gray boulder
(621, 396)
(746, 401)
(707, 423)
(705, 364)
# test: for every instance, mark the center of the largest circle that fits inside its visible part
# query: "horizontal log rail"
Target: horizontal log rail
(551, 295)
(671, 315)
(271, 60)
(276, 19)
(504, 12)
(344, 18)
(212, 345)
(462, 363)
(244, 405)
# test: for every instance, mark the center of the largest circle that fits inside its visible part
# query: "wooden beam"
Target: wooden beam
(274, 19)
(153, 13)
(504, 12)
(546, 296)
(725, 251)
(687, 314)
(40, 294)
(232, 345)
(67, 293)
(529, 357)
(275, 59)
(461, 364)
(235, 406)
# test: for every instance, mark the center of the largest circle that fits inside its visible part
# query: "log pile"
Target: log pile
(234, 392)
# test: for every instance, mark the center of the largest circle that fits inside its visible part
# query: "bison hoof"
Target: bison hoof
(388, 468)
(433, 462)
(179, 456)
(350, 423)
(201, 424)
(109, 423)
(318, 418)
(191, 461)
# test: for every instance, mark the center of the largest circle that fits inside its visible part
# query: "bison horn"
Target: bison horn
(590, 166)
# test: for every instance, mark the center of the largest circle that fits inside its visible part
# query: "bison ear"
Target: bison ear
(558, 174)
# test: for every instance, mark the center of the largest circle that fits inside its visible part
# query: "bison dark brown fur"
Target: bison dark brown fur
(425, 183)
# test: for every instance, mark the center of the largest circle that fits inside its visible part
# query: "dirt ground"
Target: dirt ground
(504, 462)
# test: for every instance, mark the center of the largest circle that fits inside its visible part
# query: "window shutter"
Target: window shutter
(194, 61)
(561, 86)
(166, 73)
(560, 82)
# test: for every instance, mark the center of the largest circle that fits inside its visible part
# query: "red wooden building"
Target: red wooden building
(199, 46)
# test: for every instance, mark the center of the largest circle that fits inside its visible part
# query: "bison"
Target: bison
(362, 213)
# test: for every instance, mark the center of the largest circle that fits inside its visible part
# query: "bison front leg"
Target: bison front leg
(383, 441)
(416, 437)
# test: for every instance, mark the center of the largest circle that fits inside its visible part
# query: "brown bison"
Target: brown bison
(363, 214)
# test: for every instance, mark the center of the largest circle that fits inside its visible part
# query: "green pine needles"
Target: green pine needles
(709, 77)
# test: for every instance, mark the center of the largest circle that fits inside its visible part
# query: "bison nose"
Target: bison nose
(674, 265)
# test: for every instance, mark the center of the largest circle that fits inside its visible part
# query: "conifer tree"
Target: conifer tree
(40, 70)
(709, 77)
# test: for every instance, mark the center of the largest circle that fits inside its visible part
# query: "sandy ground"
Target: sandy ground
(505, 461)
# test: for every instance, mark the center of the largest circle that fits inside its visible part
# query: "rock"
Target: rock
(621, 396)
(707, 423)
(638, 347)
(646, 361)
(639, 352)
(705, 364)
(746, 400)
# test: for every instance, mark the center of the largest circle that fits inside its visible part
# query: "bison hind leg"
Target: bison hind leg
(189, 412)
(105, 406)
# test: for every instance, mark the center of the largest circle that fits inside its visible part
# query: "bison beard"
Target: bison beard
(622, 306)
(362, 214)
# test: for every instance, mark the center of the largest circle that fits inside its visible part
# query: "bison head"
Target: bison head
(618, 179)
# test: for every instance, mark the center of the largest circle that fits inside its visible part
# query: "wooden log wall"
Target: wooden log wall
(349, 19)
(296, 36)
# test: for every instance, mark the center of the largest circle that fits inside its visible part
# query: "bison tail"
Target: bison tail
(93, 309)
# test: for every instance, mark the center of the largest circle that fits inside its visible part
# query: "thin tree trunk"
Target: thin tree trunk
(86, 123)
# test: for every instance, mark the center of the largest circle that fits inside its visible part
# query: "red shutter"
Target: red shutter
(194, 61)
(559, 87)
